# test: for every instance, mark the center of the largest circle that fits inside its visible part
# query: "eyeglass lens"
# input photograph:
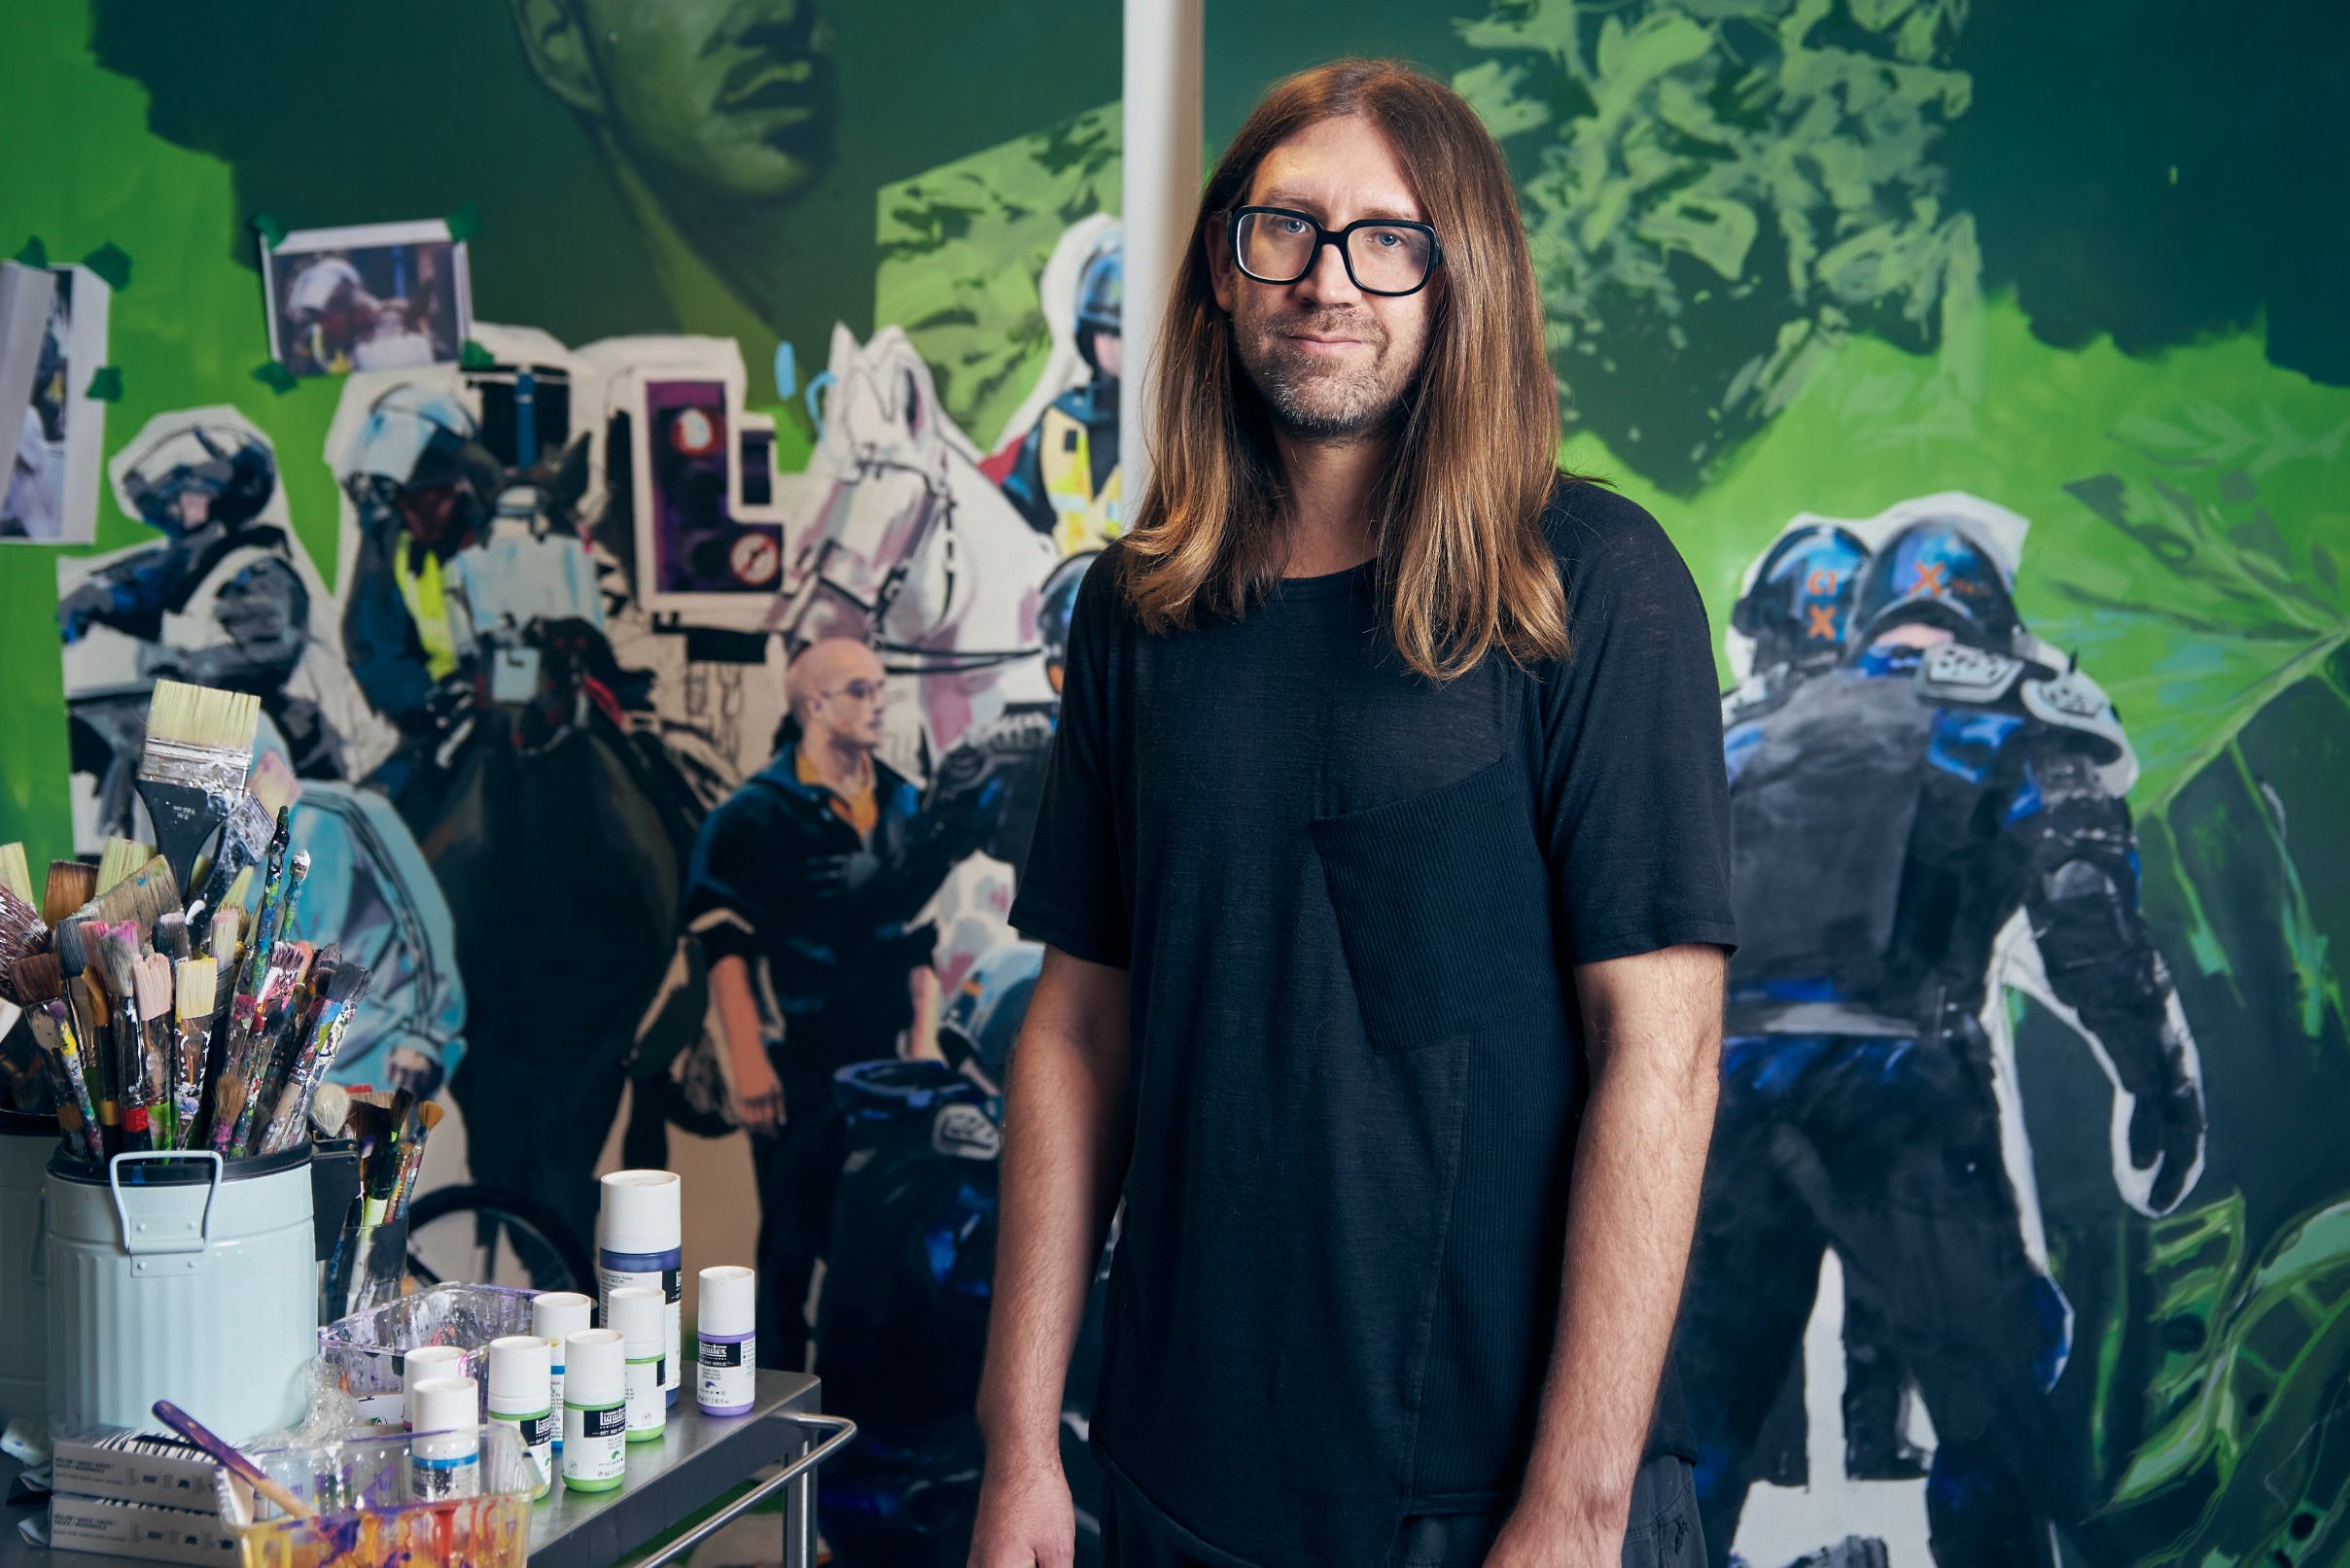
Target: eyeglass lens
(1278, 248)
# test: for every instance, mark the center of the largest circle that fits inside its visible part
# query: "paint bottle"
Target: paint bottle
(445, 1445)
(640, 1241)
(422, 1362)
(636, 1316)
(726, 1325)
(521, 1396)
(555, 1316)
(595, 1411)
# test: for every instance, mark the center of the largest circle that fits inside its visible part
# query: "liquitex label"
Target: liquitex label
(538, 1434)
(726, 1375)
(647, 1406)
(594, 1444)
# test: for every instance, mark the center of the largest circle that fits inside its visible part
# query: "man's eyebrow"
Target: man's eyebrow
(1393, 212)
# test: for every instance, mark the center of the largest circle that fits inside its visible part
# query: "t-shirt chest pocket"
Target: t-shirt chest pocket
(1443, 907)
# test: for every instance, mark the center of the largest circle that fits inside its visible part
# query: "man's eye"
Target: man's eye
(1290, 225)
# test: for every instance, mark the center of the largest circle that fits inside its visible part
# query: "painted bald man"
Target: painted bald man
(804, 888)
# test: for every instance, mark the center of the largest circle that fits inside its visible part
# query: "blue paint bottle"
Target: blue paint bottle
(640, 1241)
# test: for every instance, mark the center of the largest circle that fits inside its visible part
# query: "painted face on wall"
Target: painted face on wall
(736, 97)
(1332, 362)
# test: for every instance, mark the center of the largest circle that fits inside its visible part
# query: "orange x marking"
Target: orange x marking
(1823, 623)
(1929, 578)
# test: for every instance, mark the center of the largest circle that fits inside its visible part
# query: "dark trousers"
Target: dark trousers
(1888, 1151)
(1659, 1531)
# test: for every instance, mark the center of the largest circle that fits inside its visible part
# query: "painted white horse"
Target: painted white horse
(912, 549)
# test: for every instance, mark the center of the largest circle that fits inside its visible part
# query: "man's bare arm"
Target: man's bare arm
(1068, 1126)
(1653, 1032)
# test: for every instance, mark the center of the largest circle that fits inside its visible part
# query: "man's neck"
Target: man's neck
(841, 766)
(1327, 506)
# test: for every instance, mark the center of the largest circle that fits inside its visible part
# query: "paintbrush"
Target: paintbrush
(30, 1079)
(40, 983)
(171, 936)
(245, 838)
(191, 774)
(231, 1460)
(43, 1023)
(143, 898)
(194, 982)
(85, 1002)
(411, 1164)
(159, 1044)
(116, 961)
(251, 1045)
(21, 931)
(120, 857)
(14, 875)
(321, 1042)
(330, 1109)
(71, 884)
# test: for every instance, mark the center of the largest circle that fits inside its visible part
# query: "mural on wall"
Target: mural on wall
(667, 658)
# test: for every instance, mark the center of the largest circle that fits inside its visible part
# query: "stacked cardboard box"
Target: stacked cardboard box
(139, 1496)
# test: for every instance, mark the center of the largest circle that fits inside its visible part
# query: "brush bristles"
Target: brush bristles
(73, 949)
(71, 884)
(198, 715)
(272, 784)
(155, 982)
(331, 1109)
(39, 978)
(197, 983)
(171, 934)
(14, 875)
(121, 862)
(226, 927)
(118, 962)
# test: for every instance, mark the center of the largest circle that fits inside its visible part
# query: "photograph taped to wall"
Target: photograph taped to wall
(699, 547)
(367, 296)
(53, 342)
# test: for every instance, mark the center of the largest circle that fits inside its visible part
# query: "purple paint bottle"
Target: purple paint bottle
(726, 1367)
(640, 1241)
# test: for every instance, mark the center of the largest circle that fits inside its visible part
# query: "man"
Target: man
(1907, 824)
(1382, 869)
(1066, 480)
(806, 885)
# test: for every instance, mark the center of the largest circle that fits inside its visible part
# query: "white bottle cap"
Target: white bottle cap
(595, 1371)
(729, 1301)
(522, 1374)
(558, 1314)
(422, 1362)
(643, 1212)
(640, 1314)
(446, 1405)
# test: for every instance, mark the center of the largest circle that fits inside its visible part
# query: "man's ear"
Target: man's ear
(1221, 272)
(555, 42)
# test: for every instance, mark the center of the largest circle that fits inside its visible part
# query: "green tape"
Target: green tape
(465, 223)
(271, 232)
(275, 376)
(106, 385)
(109, 261)
(34, 253)
(473, 357)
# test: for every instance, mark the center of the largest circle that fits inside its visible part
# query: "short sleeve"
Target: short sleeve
(1073, 893)
(1635, 802)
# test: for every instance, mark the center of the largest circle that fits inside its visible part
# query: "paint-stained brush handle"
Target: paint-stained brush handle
(231, 1458)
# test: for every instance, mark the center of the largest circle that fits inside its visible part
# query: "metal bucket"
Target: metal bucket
(25, 1145)
(181, 1276)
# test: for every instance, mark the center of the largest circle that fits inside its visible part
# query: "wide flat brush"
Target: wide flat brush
(119, 858)
(159, 1044)
(143, 898)
(71, 884)
(22, 929)
(85, 1002)
(116, 962)
(191, 774)
(14, 875)
(245, 839)
(193, 983)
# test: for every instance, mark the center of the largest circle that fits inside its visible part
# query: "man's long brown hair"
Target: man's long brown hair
(1464, 565)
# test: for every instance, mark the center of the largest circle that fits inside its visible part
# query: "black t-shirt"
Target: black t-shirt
(1350, 900)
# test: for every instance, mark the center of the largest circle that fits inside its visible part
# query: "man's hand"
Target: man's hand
(759, 1094)
(1543, 1534)
(1025, 1519)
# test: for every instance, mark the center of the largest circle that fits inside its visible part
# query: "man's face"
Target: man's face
(735, 96)
(1110, 355)
(1331, 362)
(430, 515)
(846, 708)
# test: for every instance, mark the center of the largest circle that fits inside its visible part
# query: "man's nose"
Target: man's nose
(1326, 282)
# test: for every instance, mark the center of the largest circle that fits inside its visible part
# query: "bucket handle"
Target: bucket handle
(176, 1236)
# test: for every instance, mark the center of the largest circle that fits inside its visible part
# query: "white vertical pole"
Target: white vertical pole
(1164, 85)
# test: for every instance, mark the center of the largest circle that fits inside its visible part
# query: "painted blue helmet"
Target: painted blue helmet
(1101, 290)
(984, 1017)
(232, 469)
(1937, 571)
(1059, 604)
(1800, 608)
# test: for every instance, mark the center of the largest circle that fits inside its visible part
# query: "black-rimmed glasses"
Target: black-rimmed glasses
(1384, 255)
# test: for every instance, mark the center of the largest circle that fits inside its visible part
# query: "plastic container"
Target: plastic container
(727, 1361)
(371, 1518)
(555, 1316)
(444, 1460)
(26, 1144)
(363, 1353)
(640, 1241)
(183, 1277)
(636, 1316)
(522, 1384)
(595, 1411)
